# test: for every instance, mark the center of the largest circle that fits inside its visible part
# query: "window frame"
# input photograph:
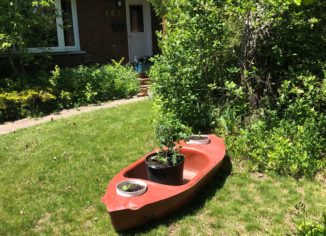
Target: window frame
(60, 32)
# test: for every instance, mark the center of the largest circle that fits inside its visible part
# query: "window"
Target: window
(136, 18)
(63, 34)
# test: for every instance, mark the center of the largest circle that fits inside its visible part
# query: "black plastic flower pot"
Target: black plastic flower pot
(169, 175)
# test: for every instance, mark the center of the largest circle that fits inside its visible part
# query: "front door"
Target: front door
(139, 28)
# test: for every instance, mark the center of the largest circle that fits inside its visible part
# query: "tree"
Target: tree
(209, 42)
(252, 70)
(24, 24)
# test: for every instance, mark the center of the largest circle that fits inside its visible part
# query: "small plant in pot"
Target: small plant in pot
(198, 139)
(166, 165)
(131, 188)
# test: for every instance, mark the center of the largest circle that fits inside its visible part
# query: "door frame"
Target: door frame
(147, 18)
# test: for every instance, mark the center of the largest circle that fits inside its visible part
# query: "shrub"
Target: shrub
(191, 68)
(125, 82)
(29, 96)
(233, 66)
(291, 137)
(288, 149)
(84, 85)
(15, 105)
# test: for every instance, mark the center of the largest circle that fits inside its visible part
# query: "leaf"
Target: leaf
(308, 2)
(297, 2)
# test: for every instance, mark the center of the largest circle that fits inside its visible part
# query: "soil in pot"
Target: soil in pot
(165, 173)
(130, 187)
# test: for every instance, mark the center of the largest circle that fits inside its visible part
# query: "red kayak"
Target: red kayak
(201, 164)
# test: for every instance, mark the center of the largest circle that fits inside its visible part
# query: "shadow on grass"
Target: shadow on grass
(194, 206)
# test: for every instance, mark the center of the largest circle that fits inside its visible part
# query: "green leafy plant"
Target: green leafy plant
(252, 71)
(308, 226)
(312, 227)
(168, 132)
(94, 84)
(64, 88)
(289, 137)
(23, 24)
(190, 70)
(15, 105)
(130, 187)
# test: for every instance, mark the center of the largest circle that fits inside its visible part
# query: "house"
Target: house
(102, 30)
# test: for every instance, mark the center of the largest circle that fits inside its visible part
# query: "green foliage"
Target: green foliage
(290, 138)
(233, 66)
(15, 105)
(307, 226)
(312, 227)
(84, 85)
(25, 24)
(70, 87)
(296, 42)
(286, 148)
(5, 42)
(169, 130)
(301, 98)
(191, 67)
(19, 17)
(74, 158)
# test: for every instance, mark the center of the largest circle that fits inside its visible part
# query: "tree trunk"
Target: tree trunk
(12, 64)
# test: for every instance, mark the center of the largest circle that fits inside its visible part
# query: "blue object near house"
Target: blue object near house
(142, 64)
(139, 67)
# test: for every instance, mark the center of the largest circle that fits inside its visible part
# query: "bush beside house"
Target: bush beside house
(253, 71)
(65, 88)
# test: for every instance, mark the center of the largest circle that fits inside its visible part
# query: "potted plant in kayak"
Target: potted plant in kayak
(166, 165)
(131, 188)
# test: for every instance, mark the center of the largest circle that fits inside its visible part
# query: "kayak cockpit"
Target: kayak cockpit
(195, 164)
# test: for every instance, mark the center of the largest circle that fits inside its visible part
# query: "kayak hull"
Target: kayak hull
(202, 162)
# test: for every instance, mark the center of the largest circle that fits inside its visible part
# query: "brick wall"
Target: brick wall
(103, 33)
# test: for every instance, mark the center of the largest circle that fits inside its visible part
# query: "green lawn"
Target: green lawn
(53, 176)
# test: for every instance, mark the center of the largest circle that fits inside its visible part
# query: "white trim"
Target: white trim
(60, 32)
(149, 34)
(75, 23)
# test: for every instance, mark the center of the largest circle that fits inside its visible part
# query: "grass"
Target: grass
(53, 176)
